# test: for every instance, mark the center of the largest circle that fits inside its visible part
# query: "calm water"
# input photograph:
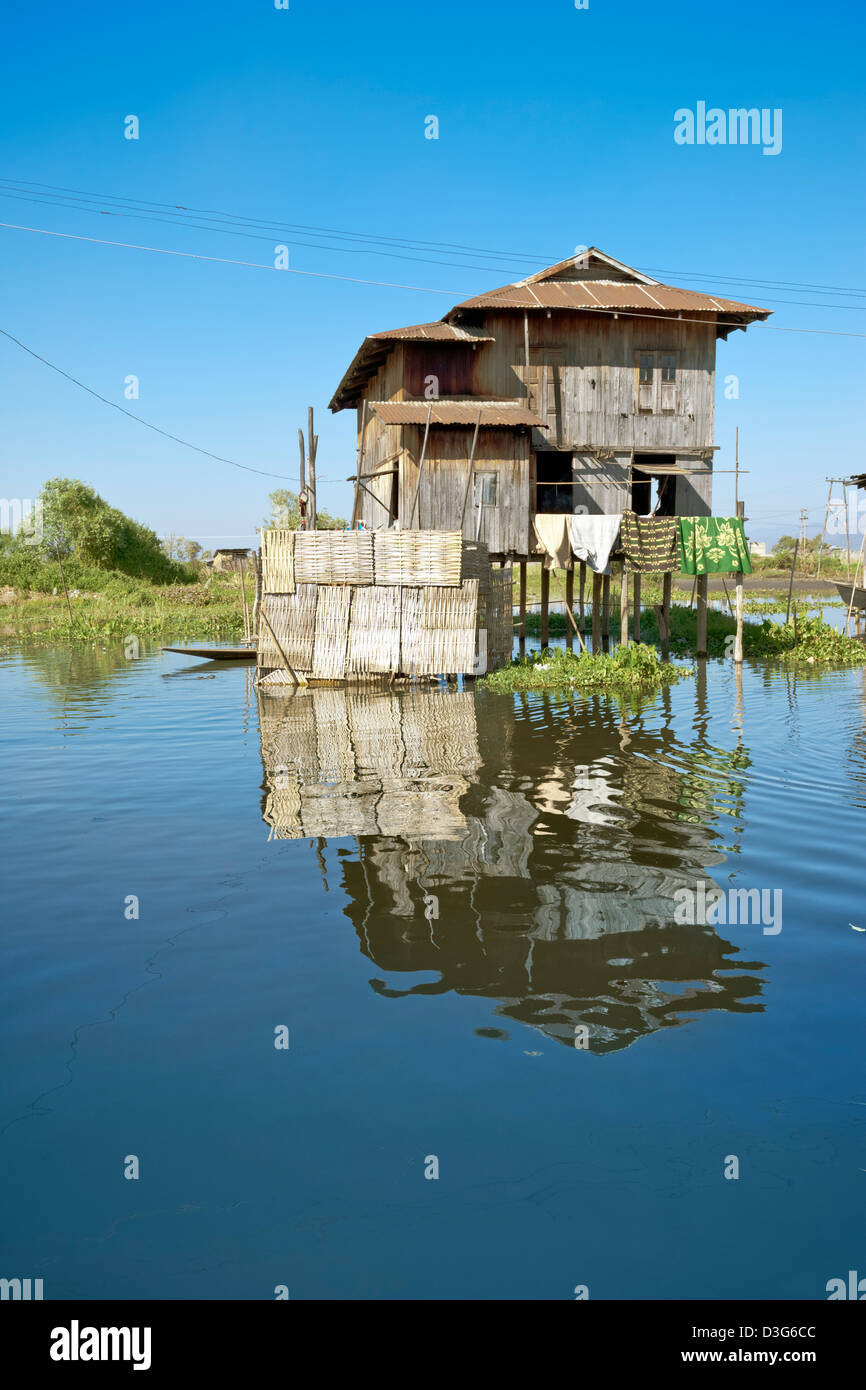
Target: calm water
(435, 894)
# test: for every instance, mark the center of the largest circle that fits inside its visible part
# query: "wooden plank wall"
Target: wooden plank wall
(504, 528)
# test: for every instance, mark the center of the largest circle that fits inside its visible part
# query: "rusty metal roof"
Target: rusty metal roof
(376, 346)
(438, 332)
(608, 295)
(494, 414)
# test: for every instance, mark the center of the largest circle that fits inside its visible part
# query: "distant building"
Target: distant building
(230, 559)
(758, 548)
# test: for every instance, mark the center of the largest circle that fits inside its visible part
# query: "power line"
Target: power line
(137, 418)
(133, 204)
(390, 284)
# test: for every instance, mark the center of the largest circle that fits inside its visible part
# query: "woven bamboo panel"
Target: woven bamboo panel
(418, 558)
(332, 632)
(429, 805)
(340, 763)
(334, 557)
(439, 732)
(335, 752)
(415, 646)
(293, 618)
(374, 630)
(500, 626)
(476, 564)
(278, 568)
(377, 733)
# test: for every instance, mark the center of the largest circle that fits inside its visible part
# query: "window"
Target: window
(486, 489)
(656, 381)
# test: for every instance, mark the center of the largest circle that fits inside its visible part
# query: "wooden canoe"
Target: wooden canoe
(216, 653)
(845, 593)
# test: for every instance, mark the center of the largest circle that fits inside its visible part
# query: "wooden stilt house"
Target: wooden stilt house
(587, 387)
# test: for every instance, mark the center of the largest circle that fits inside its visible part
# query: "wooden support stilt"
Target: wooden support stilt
(738, 640)
(569, 600)
(545, 606)
(635, 624)
(521, 618)
(596, 614)
(605, 612)
(623, 607)
(665, 623)
(581, 596)
(701, 591)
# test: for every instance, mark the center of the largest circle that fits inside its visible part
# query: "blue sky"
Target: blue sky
(555, 130)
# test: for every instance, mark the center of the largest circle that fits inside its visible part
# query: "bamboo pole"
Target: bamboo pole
(581, 599)
(257, 598)
(421, 465)
(605, 612)
(247, 626)
(470, 475)
(791, 584)
(545, 606)
(361, 450)
(702, 615)
(288, 665)
(857, 568)
(570, 614)
(521, 623)
(63, 581)
(312, 450)
(303, 475)
(569, 603)
(623, 607)
(636, 585)
(596, 614)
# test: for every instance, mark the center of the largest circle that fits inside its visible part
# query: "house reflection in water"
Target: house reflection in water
(526, 856)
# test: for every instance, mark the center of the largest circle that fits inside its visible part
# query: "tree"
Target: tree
(77, 522)
(179, 548)
(286, 511)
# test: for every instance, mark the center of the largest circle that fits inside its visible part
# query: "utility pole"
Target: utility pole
(308, 471)
(804, 514)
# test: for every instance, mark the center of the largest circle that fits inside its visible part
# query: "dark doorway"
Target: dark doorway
(553, 482)
(654, 494)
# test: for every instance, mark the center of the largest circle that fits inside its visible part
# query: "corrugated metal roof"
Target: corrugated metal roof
(501, 414)
(376, 346)
(438, 332)
(607, 294)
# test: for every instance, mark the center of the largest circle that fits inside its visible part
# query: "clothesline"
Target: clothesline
(694, 545)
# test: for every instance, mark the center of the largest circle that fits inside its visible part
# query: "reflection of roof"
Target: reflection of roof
(494, 414)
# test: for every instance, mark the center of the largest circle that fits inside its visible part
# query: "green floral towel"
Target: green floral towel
(713, 545)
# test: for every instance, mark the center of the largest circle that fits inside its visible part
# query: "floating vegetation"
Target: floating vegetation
(635, 669)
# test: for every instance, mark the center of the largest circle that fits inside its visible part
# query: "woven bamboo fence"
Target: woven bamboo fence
(332, 632)
(418, 619)
(419, 558)
(500, 626)
(278, 566)
(338, 763)
(334, 557)
(374, 631)
(293, 618)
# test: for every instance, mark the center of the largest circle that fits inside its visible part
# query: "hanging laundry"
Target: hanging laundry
(551, 528)
(593, 538)
(650, 543)
(713, 545)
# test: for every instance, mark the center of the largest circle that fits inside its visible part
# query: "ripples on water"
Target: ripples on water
(439, 893)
